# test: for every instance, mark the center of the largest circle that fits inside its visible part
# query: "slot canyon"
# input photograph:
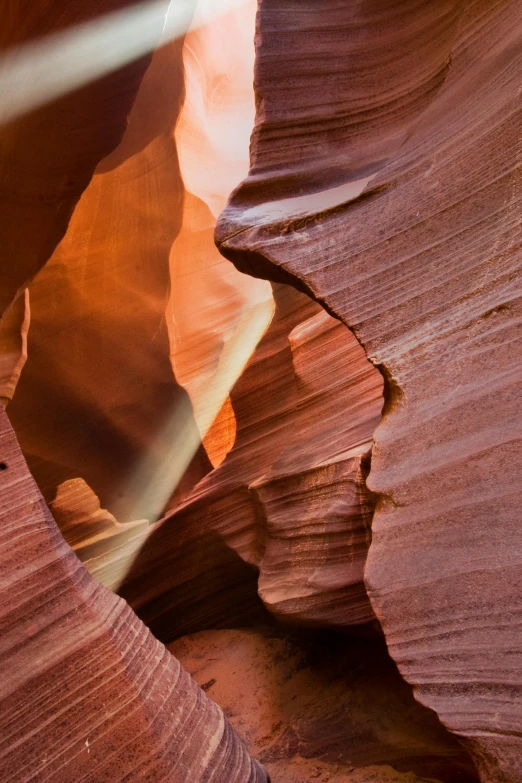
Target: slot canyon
(261, 384)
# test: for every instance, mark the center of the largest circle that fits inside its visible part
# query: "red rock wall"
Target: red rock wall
(86, 691)
(418, 105)
(97, 406)
(48, 156)
(288, 501)
(384, 185)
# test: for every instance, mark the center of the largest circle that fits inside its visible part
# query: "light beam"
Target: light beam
(36, 73)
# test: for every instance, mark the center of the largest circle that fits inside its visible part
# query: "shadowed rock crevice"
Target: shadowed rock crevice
(324, 703)
(289, 501)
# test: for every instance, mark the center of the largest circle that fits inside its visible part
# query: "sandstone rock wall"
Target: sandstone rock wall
(385, 189)
(411, 238)
(288, 502)
(87, 693)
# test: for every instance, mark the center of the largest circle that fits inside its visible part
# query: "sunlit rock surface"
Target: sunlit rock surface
(423, 99)
(98, 399)
(211, 304)
(286, 514)
(215, 317)
(98, 390)
(98, 407)
(87, 693)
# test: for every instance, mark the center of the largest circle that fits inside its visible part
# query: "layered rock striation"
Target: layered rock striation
(287, 512)
(87, 693)
(385, 182)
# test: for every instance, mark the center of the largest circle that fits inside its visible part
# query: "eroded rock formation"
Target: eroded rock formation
(98, 387)
(385, 181)
(384, 188)
(289, 501)
(87, 693)
(322, 707)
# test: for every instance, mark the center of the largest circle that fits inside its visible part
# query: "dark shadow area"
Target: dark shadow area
(204, 584)
(319, 696)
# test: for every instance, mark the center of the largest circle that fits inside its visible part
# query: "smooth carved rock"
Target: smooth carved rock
(48, 156)
(87, 693)
(212, 306)
(424, 264)
(289, 501)
(322, 707)
(92, 532)
(98, 390)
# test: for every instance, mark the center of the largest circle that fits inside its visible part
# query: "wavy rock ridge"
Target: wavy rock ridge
(422, 260)
(287, 513)
(134, 713)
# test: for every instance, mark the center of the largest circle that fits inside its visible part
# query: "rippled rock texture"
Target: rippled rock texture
(287, 513)
(385, 181)
(87, 693)
(214, 446)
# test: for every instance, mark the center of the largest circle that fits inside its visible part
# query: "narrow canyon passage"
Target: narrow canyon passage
(262, 456)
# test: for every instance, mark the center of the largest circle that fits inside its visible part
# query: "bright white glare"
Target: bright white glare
(215, 123)
(38, 72)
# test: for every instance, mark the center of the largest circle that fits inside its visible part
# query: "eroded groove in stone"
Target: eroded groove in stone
(289, 501)
(427, 273)
(87, 692)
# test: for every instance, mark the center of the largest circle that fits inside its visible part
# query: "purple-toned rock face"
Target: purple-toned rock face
(422, 260)
(87, 693)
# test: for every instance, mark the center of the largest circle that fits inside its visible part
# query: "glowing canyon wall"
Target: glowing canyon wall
(263, 396)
